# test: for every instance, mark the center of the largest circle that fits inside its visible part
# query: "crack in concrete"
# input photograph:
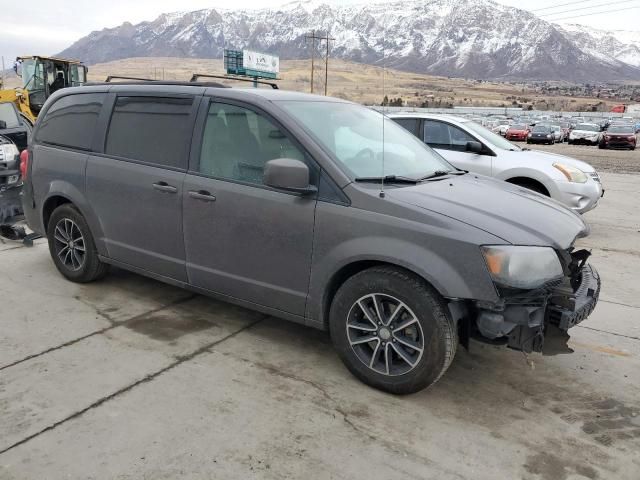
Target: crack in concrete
(97, 332)
(610, 333)
(131, 386)
(619, 303)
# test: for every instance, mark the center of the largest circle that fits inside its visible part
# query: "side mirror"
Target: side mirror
(288, 174)
(474, 147)
(3, 124)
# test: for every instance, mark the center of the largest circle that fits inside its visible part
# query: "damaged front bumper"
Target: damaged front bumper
(528, 321)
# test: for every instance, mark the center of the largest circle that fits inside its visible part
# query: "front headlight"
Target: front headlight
(9, 155)
(522, 267)
(548, 136)
(573, 174)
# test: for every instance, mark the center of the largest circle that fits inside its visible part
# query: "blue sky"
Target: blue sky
(52, 26)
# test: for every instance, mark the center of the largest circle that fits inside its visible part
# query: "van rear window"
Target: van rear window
(151, 129)
(71, 121)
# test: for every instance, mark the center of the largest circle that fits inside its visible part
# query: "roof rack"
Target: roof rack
(196, 76)
(138, 80)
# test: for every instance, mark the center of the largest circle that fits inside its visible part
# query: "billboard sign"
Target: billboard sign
(260, 62)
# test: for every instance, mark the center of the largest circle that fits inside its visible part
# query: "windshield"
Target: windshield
(555, 128)
(354, 136)
(518, 127)
(588, 127)
(32, 74)
(541, 129)
(621, 129)
(492, 138)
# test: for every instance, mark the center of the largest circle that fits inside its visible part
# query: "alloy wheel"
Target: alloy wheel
(385, 334)
(69, 244)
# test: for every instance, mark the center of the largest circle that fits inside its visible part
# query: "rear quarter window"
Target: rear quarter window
(71, 121)
(154, 130)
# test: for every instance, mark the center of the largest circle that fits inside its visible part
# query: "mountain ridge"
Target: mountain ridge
(462, 38)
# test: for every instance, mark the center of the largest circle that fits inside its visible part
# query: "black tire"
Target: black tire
(530, 185)
(424, 311)
(601, 147)
(89, 268)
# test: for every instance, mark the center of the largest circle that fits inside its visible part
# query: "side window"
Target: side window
(8, 115)
(151, 129)
(238, 142)
(71, 121)
(410, 124)
(436, 134)
(459, 138)
(448, 137)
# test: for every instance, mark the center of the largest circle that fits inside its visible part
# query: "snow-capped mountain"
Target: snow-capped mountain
(462, 38)
(623, 45)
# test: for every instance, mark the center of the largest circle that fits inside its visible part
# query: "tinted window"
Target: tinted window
(518, 127)
(70, 122)
(151, 129)
(410, 124)
(9, 115)
(238, 142)
(442, 135)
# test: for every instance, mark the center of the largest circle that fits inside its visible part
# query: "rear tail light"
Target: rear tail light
(24, 162)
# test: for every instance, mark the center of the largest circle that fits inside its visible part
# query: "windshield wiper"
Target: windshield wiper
(387, 179)
(443, 173)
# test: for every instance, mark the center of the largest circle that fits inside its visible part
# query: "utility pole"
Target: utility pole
(313, 37)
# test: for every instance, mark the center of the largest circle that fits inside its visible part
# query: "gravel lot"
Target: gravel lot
(614, 161)
(129, 378)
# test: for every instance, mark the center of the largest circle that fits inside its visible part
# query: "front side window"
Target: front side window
(365, 142)
(237, 143)
(155, 130)
(8, 115)
(71, 121)
(443, 135)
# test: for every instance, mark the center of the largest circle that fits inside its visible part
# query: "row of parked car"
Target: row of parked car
(606, 134)
(390, 233)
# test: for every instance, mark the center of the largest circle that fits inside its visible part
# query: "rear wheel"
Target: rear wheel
(392, 330)
(72, 246)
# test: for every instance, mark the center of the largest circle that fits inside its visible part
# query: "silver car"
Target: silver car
(469, 146)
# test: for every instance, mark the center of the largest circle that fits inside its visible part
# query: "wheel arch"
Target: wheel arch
(341, 275)
(527, 180)
(61, 193)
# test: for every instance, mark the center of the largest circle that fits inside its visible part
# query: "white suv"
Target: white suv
(469, 146)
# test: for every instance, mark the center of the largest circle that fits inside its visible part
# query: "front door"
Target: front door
(450, 141)
(135, 186)
(242, 238)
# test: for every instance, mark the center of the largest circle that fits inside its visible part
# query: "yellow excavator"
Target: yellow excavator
(41, 76)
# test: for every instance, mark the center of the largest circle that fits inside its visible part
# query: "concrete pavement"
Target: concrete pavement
(130, 378)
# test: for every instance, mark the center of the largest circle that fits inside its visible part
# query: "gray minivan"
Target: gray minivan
(308, 208)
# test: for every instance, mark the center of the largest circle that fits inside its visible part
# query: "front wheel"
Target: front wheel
(392, 330)
(72, 246)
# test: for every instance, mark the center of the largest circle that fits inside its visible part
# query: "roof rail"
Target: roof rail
(137, 81)
(196, 76)
(118, 77)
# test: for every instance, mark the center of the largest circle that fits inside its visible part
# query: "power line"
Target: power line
(607, 4)
(589, 14)
(561, 5)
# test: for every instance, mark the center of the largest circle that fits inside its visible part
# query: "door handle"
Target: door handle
(202, 195)
(165, 187)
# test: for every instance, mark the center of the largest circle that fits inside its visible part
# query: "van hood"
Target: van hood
(515, 214)
(540, 156)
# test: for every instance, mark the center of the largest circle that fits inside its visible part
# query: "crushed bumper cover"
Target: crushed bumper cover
(538, 321)
(568, 308)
